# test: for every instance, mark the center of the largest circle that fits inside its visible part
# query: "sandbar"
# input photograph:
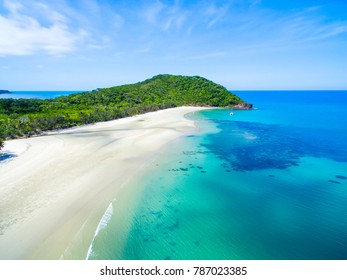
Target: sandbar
(60, 184)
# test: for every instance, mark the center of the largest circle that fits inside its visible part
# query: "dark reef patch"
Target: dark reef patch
(334, 182)
(256, 146)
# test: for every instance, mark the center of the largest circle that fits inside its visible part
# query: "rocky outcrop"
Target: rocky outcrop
(243, 106)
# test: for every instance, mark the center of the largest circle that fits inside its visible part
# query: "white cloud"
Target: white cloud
(174, 21)
(306, 26)
(152, 12)
(215, 14)
(164, 17)
(24, 33)
(12, 6)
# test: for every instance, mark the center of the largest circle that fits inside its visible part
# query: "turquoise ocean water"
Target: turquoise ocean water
(264, 184)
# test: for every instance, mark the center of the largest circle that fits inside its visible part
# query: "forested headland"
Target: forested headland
(2, 91)
(27, 117)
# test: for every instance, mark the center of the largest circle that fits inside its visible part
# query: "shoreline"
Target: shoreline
(56, 191)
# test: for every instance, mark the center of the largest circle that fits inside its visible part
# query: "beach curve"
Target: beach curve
(62, 183)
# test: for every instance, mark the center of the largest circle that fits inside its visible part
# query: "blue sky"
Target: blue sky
(241, 44)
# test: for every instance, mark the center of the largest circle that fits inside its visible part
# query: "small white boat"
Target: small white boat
(231, 113)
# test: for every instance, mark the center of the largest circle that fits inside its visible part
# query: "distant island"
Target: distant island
(26, 117)
(3, 91)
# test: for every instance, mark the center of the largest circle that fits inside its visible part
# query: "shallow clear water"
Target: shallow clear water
(264, 184)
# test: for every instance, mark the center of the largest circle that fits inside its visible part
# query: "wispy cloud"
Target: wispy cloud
(216, 13)
(188, 36)
(22, 33)
(307, 25)
(162, 16)
(283, 30)
(175, 20)
(257, 32)
(152, 12)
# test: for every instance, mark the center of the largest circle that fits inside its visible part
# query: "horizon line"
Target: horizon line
(86, 90)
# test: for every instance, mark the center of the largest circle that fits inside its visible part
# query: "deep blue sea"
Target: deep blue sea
(36, 94)
(270, 183)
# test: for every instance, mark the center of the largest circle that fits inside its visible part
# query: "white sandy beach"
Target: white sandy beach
(62, 183)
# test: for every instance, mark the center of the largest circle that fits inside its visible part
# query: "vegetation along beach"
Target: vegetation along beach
(57, 187)
(174, 130)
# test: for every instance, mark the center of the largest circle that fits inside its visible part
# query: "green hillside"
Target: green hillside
(25, 117)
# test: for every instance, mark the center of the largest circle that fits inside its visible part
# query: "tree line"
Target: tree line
(27, 117)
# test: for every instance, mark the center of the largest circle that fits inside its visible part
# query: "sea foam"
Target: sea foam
(102, 224)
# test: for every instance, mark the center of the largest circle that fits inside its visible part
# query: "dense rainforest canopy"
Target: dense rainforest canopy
(25, 117)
